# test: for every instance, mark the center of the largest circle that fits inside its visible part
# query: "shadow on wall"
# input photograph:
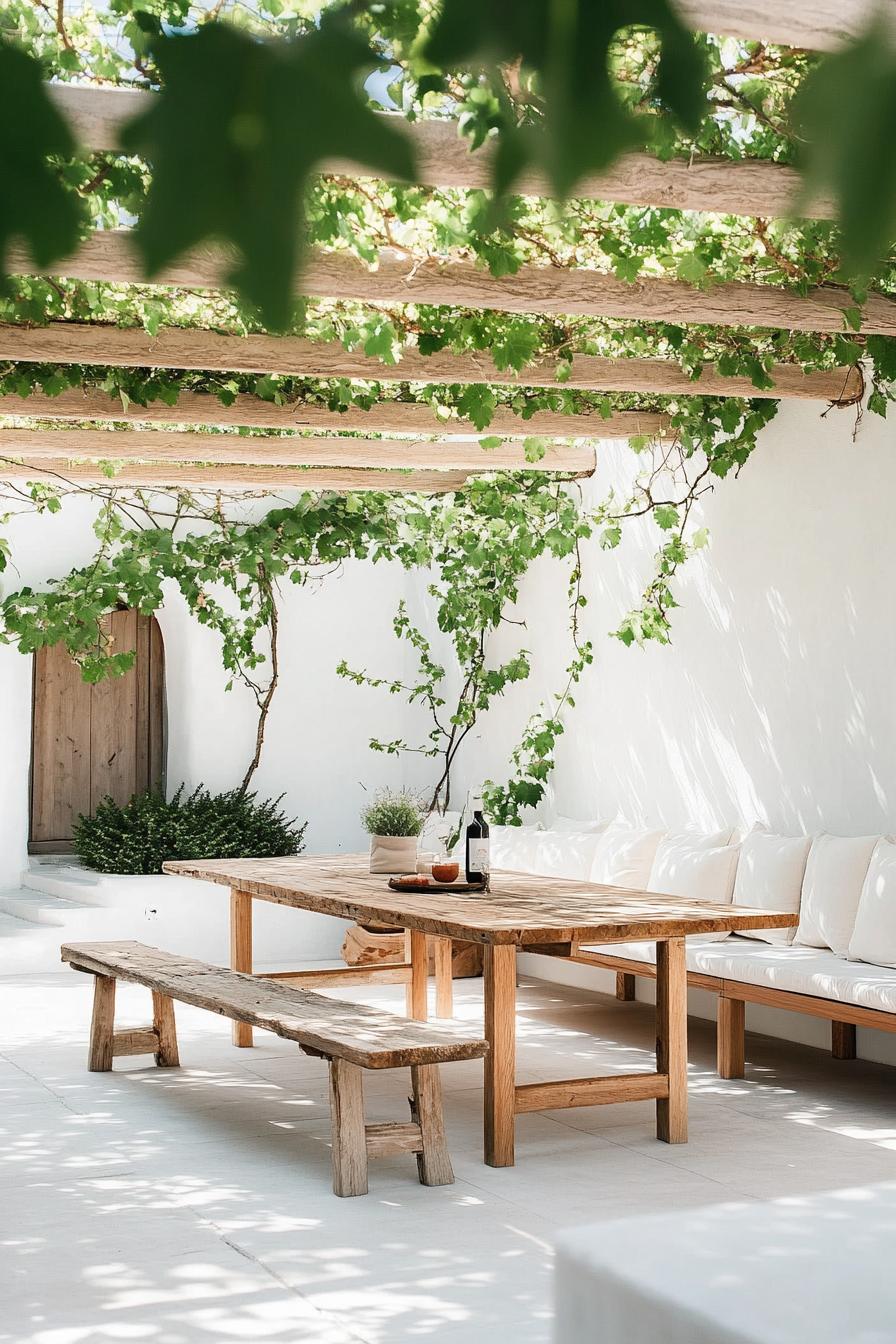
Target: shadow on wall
(774, 701)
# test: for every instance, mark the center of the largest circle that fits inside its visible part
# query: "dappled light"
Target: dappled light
(195, 1204)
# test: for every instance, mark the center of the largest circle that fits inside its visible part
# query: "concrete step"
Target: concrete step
(67, 881)
(36, 907)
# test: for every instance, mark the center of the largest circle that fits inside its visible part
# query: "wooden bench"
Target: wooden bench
(350, 1036)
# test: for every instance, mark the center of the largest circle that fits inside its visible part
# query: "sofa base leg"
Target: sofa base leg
(730, 1038)
(843, 1040)
(625, 987)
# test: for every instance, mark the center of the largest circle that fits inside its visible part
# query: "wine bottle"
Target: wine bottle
(477, 856)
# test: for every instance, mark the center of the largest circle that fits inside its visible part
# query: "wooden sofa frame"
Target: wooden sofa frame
(734, 995)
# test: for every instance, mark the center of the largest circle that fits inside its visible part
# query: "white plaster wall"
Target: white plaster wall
(775, 700)
(41, 547)
(316, 750)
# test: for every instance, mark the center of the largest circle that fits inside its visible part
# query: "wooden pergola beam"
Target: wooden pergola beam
(162, 446)
(268, 479)
(107, 255)
(816, 25)
(751, 187)
(195, 348)
(384, 417)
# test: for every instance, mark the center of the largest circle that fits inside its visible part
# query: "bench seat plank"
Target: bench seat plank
(355, 1032)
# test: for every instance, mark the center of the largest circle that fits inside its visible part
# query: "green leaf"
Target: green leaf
(666, 516)
(567, 48)
(844, 116)
(34, 205)
(692, 268)
(477, 402)
(516, 345)
(238, 129)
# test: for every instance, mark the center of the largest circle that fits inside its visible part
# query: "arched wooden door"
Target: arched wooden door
(89, 741)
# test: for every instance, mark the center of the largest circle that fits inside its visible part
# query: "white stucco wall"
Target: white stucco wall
(773, 703)
(316, 751)
(775, 700)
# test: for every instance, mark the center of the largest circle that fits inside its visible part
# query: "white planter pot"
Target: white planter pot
(393, 853)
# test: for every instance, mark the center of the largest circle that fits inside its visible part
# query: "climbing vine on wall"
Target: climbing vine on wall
(231, 557)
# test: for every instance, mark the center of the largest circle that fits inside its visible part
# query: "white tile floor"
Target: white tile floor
(192, 1205)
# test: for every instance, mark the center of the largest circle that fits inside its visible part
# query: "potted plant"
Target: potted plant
(393, 820)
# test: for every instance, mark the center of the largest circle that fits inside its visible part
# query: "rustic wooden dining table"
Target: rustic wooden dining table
(522, 912)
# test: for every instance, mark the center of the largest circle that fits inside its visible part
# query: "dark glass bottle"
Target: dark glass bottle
(477, 855)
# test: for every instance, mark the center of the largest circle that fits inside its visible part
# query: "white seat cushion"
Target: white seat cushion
(563, 854)
(874, 936)
(696, 951)
(624, 855)
(835, 872)
(801, 970)
(770, 877)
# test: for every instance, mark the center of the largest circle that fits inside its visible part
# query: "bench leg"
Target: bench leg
(730, 1041)
(241, 951)
(163, 1024)
(349, 1134)
(433, 1162)
(625, 987)
(102, 1024)
(843, 1040)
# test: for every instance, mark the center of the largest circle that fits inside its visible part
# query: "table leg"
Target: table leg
(499, 988)
(416, 953)
(442, 948)
(241, 950)
(672, 1039)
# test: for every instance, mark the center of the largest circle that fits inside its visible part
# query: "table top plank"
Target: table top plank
(521, 908)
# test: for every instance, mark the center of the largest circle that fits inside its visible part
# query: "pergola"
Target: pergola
(450, 452)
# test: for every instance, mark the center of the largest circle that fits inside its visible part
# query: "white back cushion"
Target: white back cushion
(874, 936)
(680, 869)
(770, 877)
(623, 856)
(512, 847)
(564, 854)
(589, 827)
(692, 838)
(835, 872)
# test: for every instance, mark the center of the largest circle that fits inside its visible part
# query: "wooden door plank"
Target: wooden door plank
(60, 778)
(113, 717)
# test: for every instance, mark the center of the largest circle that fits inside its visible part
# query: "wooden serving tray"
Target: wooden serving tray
(419, 888)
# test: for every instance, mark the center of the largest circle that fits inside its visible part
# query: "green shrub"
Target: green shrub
(392, 813)
(140, 836)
